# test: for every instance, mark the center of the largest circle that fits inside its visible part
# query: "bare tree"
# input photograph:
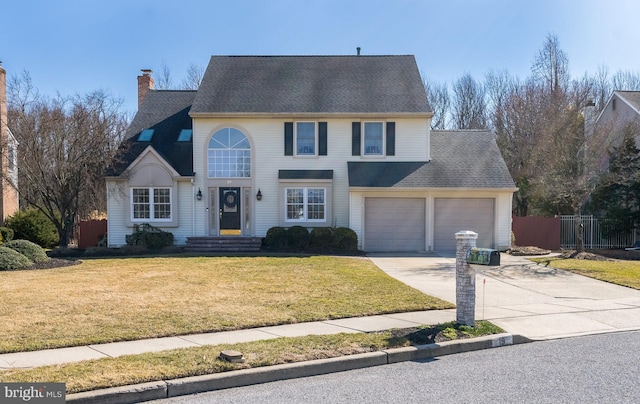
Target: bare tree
(602, 87)
(468, 106)
(194, 77)
(64, 147)
(164, 81)
(438, 96)
(626, 80)
(551, 66)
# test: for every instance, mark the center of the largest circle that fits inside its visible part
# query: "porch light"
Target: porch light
(199, 195)
(259, 195)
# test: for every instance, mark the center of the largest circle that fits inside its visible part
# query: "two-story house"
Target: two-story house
(316, 141)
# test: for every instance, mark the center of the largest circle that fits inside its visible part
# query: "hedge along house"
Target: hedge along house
(315, 141)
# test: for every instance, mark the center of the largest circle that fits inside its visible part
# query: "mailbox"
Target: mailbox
(483, 256)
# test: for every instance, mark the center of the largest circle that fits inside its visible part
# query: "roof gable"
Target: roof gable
(167, 113)
(311, 84)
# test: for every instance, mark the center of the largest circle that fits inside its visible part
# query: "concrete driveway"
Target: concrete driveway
(525, 298)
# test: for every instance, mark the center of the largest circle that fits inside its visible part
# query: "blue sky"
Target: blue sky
(77, 46)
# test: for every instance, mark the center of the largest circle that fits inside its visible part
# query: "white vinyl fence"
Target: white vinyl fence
(593, 238)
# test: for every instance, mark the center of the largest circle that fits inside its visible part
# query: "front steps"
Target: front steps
(223, 244)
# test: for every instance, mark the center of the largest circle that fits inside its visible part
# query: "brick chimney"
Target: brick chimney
(9, 178)
(3, 99)
(145, 83)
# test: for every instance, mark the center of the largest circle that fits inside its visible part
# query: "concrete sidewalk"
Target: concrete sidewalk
(348, 325)
(525, 298)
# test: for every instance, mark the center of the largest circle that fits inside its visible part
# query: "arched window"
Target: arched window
(229, 154)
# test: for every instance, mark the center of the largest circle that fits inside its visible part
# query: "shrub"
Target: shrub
(297, 237)
(6, 233)
(11, 260)
(321, 237)
(150, 237)
(64, 252)
(133, 250)
(33, 225)
(276, 238)
(34, 252)
(345, 239)
(101, 252)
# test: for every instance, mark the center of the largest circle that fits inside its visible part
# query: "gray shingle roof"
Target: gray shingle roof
(167, 113)
(311, 84)
(460, 159)
(632, 97)
(305, 174)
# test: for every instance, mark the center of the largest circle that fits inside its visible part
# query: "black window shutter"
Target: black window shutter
(355, 138)
(288, 138)
(322, 138)
(391, 138)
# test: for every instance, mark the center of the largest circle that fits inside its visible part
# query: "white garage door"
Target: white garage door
(394, 224)
(452, 215)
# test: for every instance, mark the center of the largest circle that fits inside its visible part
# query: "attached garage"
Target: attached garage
(452, 215)
(394, 224)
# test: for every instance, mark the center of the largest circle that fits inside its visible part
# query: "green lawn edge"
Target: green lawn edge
(619, 272)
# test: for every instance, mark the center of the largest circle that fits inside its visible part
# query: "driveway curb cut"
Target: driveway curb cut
(238, 378)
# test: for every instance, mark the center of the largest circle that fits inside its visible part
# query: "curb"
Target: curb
(238, 378)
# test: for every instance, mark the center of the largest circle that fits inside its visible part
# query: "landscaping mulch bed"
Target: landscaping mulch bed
(53, 263)
(618, 254)
(423, 336)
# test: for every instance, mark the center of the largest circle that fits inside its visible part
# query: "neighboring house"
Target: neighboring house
(316, 141)
(621, 113)
(9, 157)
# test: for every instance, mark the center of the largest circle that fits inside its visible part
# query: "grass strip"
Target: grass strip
(178, 363)
(624, 273)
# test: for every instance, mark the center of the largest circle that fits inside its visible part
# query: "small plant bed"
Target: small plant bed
(178, 363)
(444, 332)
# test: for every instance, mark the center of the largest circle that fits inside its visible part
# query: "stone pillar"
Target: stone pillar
(465, 279)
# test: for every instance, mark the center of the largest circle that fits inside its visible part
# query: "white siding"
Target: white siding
(186, 202)
(267, 139)
(116, 213)
(504, 203)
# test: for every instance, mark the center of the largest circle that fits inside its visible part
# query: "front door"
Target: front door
(230, 213)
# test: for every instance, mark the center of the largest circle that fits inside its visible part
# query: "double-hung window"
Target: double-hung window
(305, 205)
(305, 138)
(373, 136)
(151, 204)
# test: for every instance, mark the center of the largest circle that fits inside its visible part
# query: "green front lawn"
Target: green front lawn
(625, 273)
(105, 300)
